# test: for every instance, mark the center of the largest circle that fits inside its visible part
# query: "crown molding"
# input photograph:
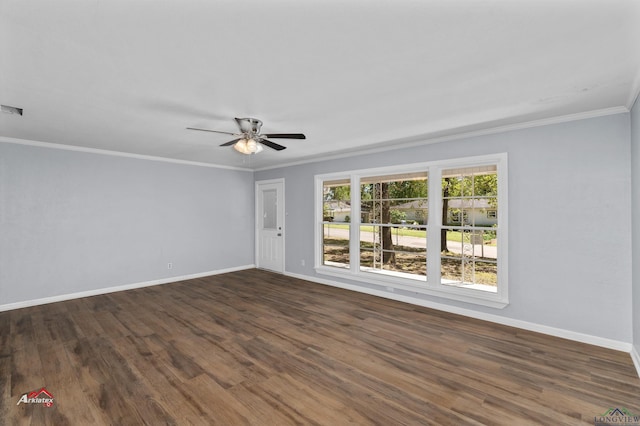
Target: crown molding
(116, 153)
(412, 142)
(396, 144)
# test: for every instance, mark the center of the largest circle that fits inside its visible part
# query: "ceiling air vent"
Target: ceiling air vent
(11, 110)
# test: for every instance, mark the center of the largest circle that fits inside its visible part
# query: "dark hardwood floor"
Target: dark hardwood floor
(253, 347)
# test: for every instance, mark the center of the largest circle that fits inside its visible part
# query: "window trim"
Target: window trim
(433, 285)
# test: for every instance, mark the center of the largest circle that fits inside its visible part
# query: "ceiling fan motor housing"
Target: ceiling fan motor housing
(249, 125)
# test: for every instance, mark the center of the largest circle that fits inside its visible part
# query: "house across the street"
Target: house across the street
(477, 211)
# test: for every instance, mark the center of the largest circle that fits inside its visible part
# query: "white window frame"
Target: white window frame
(433, 285)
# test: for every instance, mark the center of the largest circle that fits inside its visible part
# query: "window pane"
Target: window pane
(402, 251)
(479, 181)
(336, 216)
(469, 251)
(394, 210)
(335, 245)
(470, 259)
(336, 205)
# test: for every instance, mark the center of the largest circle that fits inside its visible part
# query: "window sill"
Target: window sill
(391, 281)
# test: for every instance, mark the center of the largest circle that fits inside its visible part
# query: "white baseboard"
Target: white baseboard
(99, 291)
(635, 356)
(525, 325)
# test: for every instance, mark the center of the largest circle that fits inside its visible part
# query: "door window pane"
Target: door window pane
(269, 209)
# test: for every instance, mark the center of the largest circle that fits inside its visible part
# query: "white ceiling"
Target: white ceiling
(130, 75)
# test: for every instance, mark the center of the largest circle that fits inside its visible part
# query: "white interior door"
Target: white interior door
(270, 225)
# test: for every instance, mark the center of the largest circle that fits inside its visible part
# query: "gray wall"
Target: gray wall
(74, 222)
(635, 167)
(570, 215)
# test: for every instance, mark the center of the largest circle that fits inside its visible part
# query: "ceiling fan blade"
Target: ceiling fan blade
(213, 131)
(285, 135)
(272, 145)
(230, 142)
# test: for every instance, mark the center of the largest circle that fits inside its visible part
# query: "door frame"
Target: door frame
(256, 225)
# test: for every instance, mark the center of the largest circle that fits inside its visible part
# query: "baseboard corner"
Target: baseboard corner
(635, 357)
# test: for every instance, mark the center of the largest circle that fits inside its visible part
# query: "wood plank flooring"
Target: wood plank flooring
(258, 348)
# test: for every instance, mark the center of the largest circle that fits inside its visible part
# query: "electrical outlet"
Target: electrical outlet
(302, 262)
(169, 265)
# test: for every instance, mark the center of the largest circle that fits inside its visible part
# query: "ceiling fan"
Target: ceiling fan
(250, 140)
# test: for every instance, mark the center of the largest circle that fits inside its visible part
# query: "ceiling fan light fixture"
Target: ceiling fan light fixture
(241, 146)
(247, 146)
